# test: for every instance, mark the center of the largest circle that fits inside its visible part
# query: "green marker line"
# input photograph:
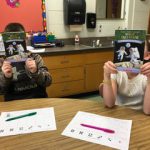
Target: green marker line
(22, 116)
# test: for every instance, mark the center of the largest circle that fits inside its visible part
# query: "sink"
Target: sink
(80, 46)
(84, 46)
(101, 45)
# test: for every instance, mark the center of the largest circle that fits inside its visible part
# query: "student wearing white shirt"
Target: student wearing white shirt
(127, 88)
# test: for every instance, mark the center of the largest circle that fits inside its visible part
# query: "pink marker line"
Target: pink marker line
(98, 128)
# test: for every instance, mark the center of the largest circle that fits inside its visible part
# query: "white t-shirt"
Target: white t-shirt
(130, 91)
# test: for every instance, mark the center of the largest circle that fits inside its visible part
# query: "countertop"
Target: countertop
(67, 49)
(74, 49)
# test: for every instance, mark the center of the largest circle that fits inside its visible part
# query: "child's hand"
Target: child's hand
(31, 65)
(109, 67)
(7, 69)
(145, 69)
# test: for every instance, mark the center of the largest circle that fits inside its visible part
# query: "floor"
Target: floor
(89, 96)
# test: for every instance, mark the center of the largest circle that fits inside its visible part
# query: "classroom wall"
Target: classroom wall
(138, 14)
(136, 17)
(30, 17)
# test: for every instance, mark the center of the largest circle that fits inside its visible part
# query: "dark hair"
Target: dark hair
(14, 27)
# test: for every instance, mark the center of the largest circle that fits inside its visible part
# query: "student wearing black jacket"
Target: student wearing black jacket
(23, 76)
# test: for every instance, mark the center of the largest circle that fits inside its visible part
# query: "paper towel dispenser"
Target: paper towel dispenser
(74, 12)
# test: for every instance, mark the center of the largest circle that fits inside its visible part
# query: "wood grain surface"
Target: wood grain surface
(65, 110)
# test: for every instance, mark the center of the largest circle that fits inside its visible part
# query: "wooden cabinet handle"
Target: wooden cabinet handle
(64, 62)
(66, 76)
(64, 90)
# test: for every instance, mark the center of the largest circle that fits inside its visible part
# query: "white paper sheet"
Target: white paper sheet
(2, 48)
(98, 129)
(42, 120)
(40, 50)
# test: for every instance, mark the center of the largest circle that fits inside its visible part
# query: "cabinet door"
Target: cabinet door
(99, 57)
(94, 75)
(1, 98)
(63, 61)
(65, 88)
(94, 68)
(67, 74)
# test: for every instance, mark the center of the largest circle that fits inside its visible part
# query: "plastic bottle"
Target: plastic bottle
(77, 40)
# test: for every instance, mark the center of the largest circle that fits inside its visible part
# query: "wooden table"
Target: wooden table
(65, 110)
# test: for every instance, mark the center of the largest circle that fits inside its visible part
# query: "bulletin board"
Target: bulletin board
(30, 13)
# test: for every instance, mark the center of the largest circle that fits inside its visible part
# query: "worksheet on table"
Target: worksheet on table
(98, 129)
(27, 121)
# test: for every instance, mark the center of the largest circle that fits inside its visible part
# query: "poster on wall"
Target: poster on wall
(30, 14)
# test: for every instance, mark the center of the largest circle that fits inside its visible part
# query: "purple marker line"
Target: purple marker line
(98, 128)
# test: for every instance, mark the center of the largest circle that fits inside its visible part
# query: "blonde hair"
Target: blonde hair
(147, 44)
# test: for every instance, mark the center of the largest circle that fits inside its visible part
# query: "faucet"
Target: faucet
(98, 44)
(93, 43)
